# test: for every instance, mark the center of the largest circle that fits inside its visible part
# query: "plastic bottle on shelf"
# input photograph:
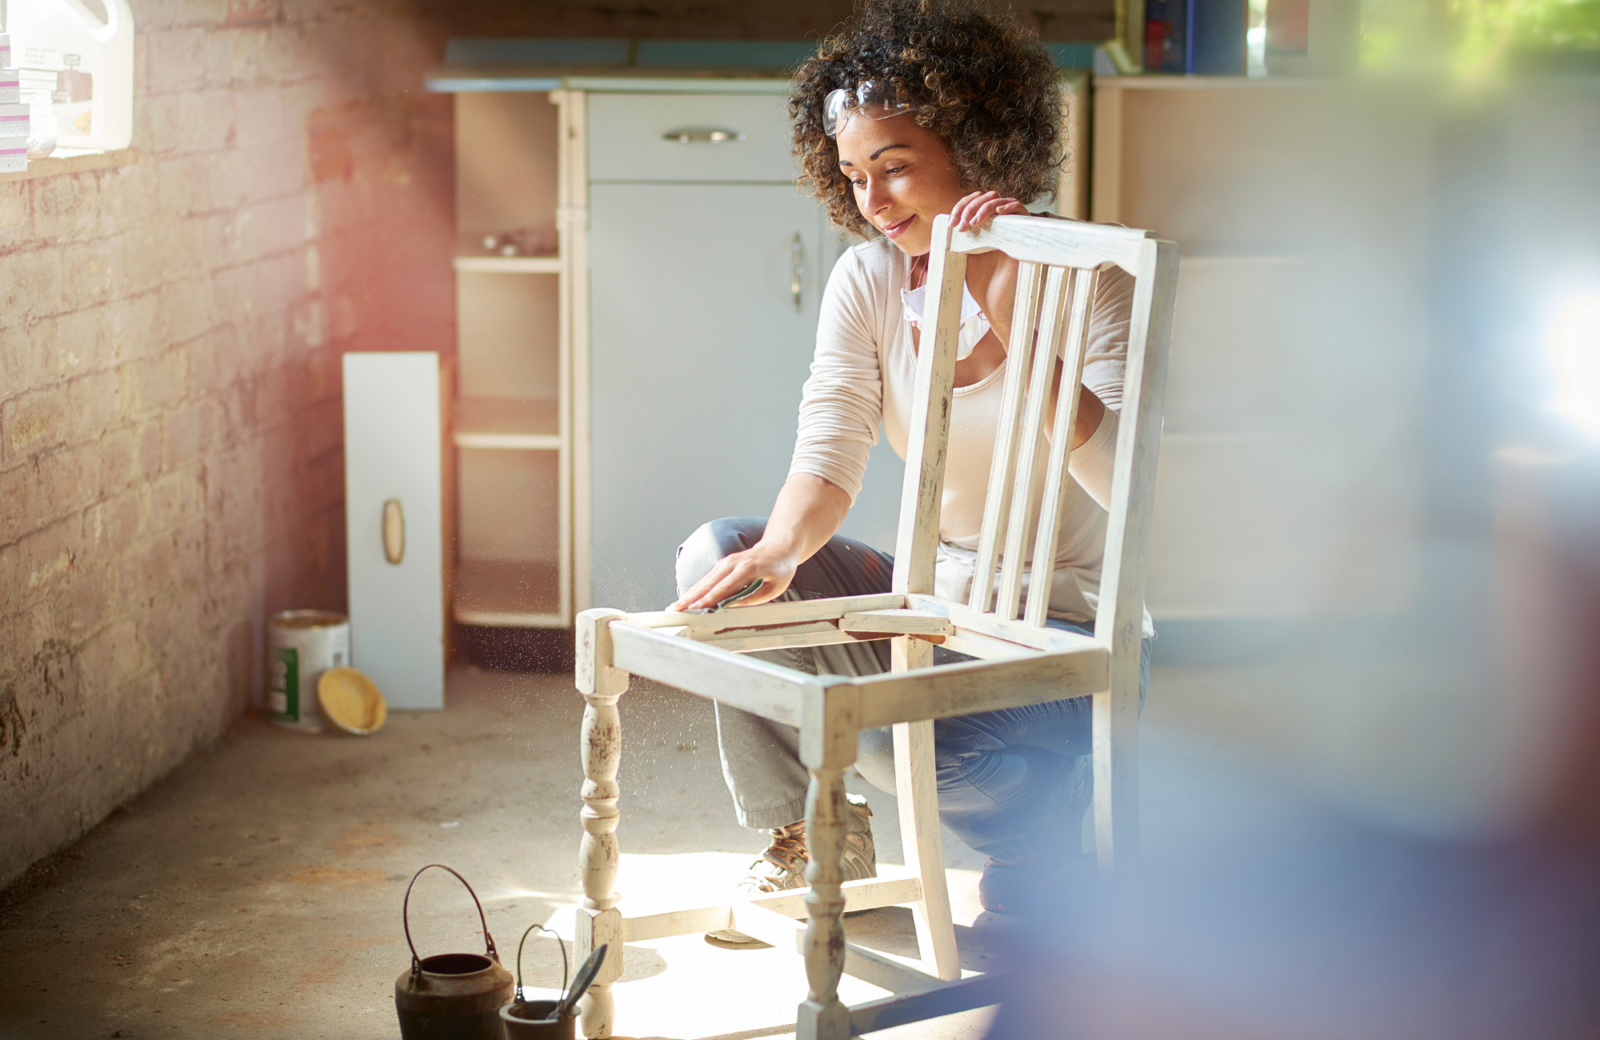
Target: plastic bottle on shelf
(82, 63)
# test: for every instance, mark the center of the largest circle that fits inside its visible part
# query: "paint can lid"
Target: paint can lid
(351, 701)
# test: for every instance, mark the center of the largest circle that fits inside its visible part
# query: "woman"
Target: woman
(920, 108)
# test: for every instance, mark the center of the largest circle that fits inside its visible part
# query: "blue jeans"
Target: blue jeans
(1002, 775)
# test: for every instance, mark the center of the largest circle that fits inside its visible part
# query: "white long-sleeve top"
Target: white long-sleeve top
(863, 374)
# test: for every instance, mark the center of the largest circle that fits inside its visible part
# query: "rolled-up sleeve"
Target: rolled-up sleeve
(842, 402)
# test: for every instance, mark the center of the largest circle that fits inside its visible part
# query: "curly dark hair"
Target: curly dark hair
(976, 76)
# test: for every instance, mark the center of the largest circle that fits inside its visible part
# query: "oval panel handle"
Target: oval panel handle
(797, 252)
(703, 136)
(394, 531)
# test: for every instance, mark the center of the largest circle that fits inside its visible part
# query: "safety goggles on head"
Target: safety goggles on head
(868, 99)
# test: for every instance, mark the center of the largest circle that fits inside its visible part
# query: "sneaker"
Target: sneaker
(783, 865)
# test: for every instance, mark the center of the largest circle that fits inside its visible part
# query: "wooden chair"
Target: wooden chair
(1020, 661)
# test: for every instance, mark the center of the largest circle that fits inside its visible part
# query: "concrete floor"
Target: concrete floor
(257, 892)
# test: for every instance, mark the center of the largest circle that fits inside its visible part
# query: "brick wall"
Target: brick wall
(170, 428)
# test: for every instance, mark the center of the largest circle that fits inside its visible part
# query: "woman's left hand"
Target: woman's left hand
(992, 277)
(976, 210)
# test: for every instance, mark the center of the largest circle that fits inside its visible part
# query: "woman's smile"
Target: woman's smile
(897, 228)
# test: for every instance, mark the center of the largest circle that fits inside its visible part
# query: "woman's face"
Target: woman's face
(902, 177)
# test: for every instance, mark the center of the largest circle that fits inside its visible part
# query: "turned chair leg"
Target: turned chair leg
(828, 733)
(600, 745)
(824, 1016)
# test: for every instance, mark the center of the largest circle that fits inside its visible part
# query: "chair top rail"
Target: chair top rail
(1058, 243)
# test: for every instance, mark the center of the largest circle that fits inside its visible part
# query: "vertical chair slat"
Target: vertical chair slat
(1024, 321)
(1025, 485)
(1084, 282)
(928, 434)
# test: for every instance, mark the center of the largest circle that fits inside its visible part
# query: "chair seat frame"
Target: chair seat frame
(1017, 659)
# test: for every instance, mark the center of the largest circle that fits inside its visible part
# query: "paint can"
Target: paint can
(301, 645)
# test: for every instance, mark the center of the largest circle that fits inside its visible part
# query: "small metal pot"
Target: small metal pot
(452, 996)
(525, 1021)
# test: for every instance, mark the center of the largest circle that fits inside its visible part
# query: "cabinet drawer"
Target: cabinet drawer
(627, 138)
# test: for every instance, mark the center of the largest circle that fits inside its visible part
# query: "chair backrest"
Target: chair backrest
(1059, 266)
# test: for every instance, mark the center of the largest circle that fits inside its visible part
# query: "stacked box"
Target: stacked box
(10, 86)
(5, 51)
(14, 125)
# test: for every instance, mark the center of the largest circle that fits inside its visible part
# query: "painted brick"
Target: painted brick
(134, 328)
(258, 118)
(82, 605)
(17, 512)
(212, 365)
(63, 211)
(92, 272)
(189, 306)
(158, 383)
(188, 431)
(118, 457)
(112, 526)
(110, 656)
(94, 403)
(32, 283)
(32, 423)
(176, 499)
(16, 212)
(177, 59)
(27, 356)
(148, 571)
(204, 121)
(80, 342)
(47, 557)
(68, 481)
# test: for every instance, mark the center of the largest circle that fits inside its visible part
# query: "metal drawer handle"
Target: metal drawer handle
(798, 253)
(394, 532)
(703, 136)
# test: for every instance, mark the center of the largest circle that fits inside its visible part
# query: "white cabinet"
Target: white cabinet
(703, 303)
(393, 480)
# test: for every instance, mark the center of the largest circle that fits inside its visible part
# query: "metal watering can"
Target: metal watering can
(451, 996)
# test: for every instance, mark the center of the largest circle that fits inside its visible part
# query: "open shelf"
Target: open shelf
(504, 423)
(508, 594)
(489, 264)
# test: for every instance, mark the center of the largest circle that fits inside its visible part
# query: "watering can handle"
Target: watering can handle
(405, 917)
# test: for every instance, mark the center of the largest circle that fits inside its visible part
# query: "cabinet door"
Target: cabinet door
(698, 354)
(391, 453)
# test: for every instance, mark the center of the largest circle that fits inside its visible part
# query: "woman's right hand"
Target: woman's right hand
(807, 513)
(736, 572)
